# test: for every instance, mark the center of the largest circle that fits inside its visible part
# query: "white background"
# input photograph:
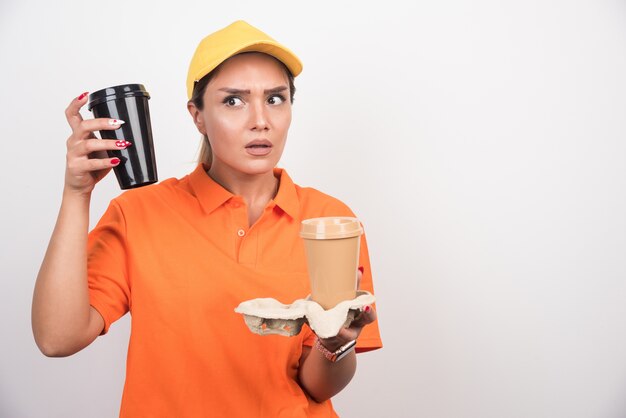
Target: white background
(480, 142)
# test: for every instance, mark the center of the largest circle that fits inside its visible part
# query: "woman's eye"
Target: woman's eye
(233, 101)
(276, 99)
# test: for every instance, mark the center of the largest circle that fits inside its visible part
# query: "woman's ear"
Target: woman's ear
(196, 115)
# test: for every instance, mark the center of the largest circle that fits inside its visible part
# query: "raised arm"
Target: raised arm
(63, 321)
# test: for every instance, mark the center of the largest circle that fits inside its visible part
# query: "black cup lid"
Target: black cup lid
(116, 92)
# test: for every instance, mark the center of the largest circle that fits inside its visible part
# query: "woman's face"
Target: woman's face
(246, 114)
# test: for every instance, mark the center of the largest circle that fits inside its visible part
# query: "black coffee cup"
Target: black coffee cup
(128, 102)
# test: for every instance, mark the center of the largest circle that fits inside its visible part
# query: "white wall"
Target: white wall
(481, 142)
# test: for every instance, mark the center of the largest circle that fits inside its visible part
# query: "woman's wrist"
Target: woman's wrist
(330, 344)
(335, 352)
(73, 194)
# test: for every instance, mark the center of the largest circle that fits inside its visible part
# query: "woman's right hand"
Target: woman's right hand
(87, 161)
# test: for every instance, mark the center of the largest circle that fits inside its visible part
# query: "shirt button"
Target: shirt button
(236, 205)
(241, 232)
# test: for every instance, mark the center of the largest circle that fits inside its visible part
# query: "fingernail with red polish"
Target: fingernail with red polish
(82, 96)
(116, 122)
(115, 161)
(121, 144)
(367, 308)
(362, 269)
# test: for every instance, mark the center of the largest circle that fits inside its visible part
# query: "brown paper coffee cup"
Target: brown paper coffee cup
(332, 251)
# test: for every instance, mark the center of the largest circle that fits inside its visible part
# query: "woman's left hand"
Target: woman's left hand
(367, 316)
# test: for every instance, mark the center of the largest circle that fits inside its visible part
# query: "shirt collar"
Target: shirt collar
(287, 196)
(209, 193)
(212, 195)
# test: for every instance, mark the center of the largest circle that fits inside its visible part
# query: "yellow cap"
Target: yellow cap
(233, 39)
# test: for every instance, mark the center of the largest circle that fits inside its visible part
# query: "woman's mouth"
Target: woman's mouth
(259, 147)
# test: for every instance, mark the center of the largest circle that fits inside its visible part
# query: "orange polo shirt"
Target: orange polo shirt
(180, 257)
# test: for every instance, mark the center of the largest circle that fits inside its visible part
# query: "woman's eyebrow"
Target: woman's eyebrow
(231, 90)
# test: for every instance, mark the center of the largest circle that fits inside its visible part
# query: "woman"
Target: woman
(181, 255)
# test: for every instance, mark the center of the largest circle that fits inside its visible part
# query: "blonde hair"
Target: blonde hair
(205, 155)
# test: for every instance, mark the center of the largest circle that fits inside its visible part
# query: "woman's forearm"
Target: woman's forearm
(63, 321)
(323, 379)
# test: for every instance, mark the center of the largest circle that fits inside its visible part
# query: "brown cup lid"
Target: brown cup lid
(333, 227)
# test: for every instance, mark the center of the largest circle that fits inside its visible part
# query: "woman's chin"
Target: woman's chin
(255, 168)
(249, 166)
(259, 167)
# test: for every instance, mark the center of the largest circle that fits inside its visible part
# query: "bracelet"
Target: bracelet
(337, 355)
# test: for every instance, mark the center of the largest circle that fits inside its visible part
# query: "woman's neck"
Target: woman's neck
(255, 189)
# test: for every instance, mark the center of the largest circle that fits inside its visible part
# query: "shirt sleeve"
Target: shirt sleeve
(109, 289)
(370, 335)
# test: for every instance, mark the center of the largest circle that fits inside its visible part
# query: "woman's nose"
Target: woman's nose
(259, 117)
